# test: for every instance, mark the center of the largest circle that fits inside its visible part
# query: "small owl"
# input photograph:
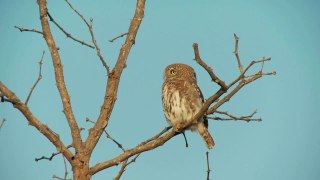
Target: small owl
(182, 99)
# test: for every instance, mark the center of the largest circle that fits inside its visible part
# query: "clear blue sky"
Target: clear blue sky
(285, 145)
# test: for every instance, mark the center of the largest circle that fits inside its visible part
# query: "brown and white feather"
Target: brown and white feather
(182, 99)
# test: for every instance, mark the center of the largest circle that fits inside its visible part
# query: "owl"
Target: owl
(182, 100)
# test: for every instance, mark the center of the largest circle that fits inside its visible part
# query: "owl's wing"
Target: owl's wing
(197, 94)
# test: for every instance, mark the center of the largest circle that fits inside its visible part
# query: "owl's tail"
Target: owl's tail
(204, 133)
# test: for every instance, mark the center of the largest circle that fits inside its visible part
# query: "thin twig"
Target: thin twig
(38, 79)
(198, 59)
(237, 53)
(92, 37)
(134, 159)
(233, 118)
(65, 168)
(80, 15)
(57, 177)
(28, 30)
(52, 155)
(157, 135)
(2, 122)
(121, 35)
(208, 166)
(109, 136)
(68, 34)
(114, 77)
(122, 169)
(125, 163)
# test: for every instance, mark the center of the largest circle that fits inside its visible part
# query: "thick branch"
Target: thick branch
(207, 68)
(129, 153)
(155, 141)
(114, 78)
(38, 79)
(27, 30)
(33, 121)
(68, 34)
(59, 77)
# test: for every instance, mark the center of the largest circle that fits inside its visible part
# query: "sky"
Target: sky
(285, 145)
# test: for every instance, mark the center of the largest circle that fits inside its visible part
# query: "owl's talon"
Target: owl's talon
(179, 127)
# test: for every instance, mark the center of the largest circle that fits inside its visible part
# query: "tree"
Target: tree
(82, 148)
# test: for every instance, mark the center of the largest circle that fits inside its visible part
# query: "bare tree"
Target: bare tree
(83, 148)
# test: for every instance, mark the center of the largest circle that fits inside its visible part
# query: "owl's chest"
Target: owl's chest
(178, 104)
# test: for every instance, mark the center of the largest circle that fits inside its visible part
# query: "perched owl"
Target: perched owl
(182, 99)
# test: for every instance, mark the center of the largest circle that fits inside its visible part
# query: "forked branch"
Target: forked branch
(234, 118)
(33, 121)
(114, 78)
(59, 76)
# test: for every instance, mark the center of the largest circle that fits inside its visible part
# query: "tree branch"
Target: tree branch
(92, 37)
(207, 68)
(65, 171)
(33, 121)
(237, 53)
(38, 79)
(109, 137)
(27, 30)
(122, 169)
(121, 35)
(68, 34)
(114, 78)
(234, 118)
(156, 141)
(59, 76)
(131, 152)
(125, 163)
(51, 157)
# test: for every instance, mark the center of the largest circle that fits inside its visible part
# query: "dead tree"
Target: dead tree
(83, 148)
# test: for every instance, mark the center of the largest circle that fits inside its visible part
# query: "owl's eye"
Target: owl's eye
(173, 72)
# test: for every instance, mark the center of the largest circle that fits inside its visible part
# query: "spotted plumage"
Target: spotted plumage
(182, 99)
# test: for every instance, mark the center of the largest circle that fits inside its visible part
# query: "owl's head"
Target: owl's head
(179, 71)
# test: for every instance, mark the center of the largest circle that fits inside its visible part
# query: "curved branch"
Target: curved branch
(59, 77)
(129, 153)
(214, 78)
(33, 121)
